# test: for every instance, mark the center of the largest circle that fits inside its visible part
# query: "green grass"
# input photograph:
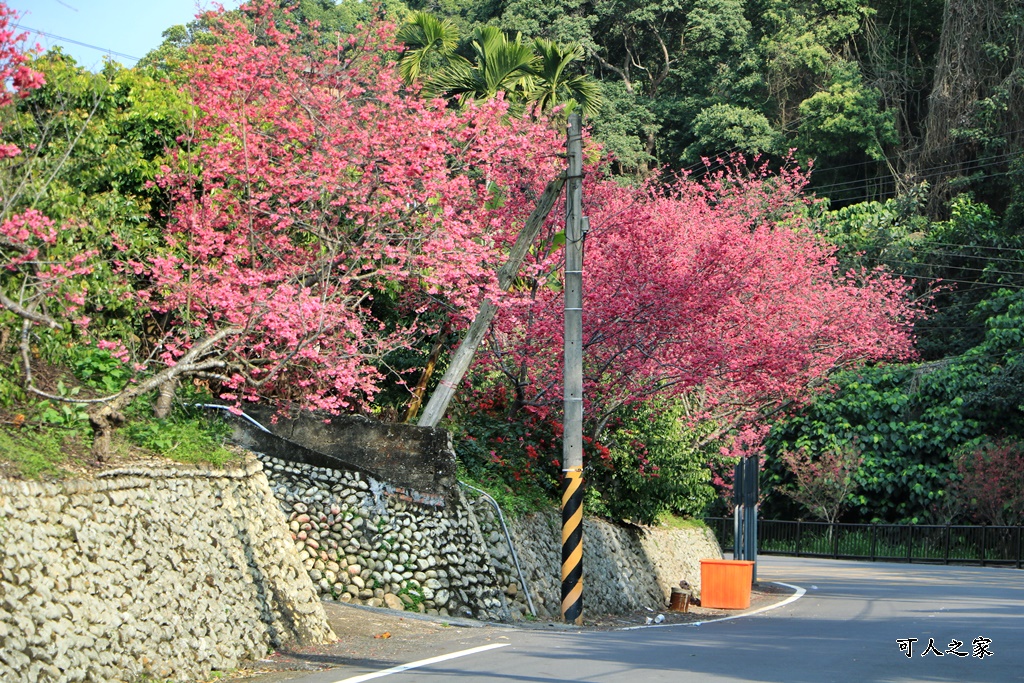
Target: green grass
(859, 544)
(186, 440)
(54, 451)
(45, 439)
(514, 503)
(34, 454)
(667, 520)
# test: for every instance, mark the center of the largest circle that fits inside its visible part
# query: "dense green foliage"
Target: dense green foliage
(911, 422)
(97, 141)
(844, 82)
(647, 464)
(655, 464)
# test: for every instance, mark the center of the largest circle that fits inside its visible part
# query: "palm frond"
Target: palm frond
(425, 34)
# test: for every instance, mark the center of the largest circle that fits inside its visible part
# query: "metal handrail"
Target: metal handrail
(511, 546)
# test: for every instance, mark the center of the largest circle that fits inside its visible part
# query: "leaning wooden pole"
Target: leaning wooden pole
(572, 437)
(442, 396)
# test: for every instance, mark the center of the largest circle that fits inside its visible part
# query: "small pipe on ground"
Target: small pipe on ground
(237, 413)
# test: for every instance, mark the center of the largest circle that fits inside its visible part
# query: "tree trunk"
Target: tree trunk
(966, 74)
(165, 400)
(105, 417)
(421, 387)
(104, 420)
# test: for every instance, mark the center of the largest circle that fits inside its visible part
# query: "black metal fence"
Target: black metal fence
(932, 544)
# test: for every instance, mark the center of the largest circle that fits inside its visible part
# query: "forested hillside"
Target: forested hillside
(806, 235)
(883, 96)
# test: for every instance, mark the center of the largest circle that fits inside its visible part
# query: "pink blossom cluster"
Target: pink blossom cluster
(718, 291)
(17, 78)
(325, 212)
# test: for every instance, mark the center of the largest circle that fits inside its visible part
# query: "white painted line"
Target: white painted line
(422, 662)
(792, 598)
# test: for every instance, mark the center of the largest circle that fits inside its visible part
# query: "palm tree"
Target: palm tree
(555, 87)
(423, 35)
(500, 64)
(528, 74)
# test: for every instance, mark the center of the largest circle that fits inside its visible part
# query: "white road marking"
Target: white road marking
(793, 598)
(420, 663)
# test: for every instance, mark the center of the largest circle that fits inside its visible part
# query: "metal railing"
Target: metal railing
(931, 544)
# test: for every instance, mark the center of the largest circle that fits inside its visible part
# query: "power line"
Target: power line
(980, 246)
(933, 171)
(77, 42)
(958, 268)
(721, 159)
(886, 194)
(973, 283)
(948, 145)
(971, 257)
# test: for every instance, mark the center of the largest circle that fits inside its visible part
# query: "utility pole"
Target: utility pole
(572, 375)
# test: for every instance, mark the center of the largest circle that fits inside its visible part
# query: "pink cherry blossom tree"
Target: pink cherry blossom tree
(321, 209)
(717, 293)
(38, 290)
(323, 216)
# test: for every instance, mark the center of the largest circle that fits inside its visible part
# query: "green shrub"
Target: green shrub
(184, 437)
(654, 464)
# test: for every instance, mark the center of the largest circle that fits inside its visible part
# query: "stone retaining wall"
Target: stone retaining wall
(165, 572)
(173, 572)
(363, 544)
(625, 567)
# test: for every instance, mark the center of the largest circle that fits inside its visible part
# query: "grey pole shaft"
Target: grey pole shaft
(572, 451)
(572, 374)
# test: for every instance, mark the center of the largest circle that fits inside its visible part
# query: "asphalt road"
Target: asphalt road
(847, 627)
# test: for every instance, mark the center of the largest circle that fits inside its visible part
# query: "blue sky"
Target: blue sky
(131, 28)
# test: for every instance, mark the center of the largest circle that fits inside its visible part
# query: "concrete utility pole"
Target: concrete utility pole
(572, 437)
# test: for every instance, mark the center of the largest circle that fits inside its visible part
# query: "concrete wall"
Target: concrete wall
(169, 572)
(405, 456)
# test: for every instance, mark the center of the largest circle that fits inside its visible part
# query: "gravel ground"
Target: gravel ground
(381, 638)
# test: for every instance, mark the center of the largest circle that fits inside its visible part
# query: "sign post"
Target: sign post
(745, 493)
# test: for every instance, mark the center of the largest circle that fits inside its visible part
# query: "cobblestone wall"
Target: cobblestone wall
(167, 572)
(362, 543)
(625, 568)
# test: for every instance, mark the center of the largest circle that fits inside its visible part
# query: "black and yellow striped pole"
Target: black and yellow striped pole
(572, 547)
(572, 435)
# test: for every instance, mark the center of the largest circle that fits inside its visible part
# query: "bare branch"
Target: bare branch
(22, 312)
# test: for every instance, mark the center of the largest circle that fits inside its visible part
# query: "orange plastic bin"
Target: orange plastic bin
(725, 584)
